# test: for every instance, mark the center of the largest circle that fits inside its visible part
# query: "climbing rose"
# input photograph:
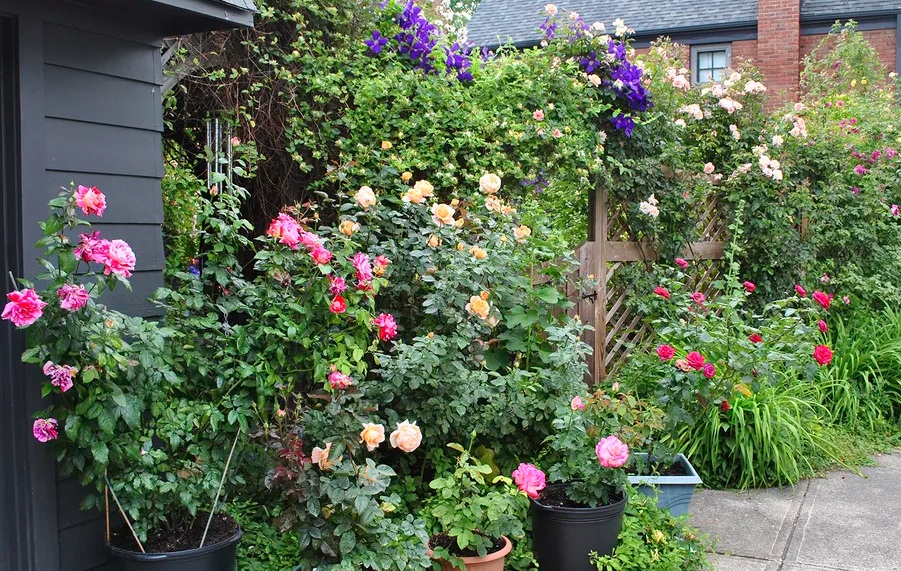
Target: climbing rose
(478, 307)
(443, 214)
(750, 286)
(338, 305)
(489, 183)
(822, 325)
(709, 370)
(72, 297)
(576, 403)
(698, 297)
(662, 292)
(24, 307)
(612, 452)
(538, 115)
(119, 259)
(361, 263)
(681, 263)
(91, 249)
(338, 380)
(695, 360)
(337, 285)
(60, 375)
(365, 197)
(44, 429)
(372, 435)
(320, 457)
(407, 437)
(822, 299)
(380, 264)
(665, 352)
(320, 255)
(529, 479)
(800, 290)
(387, 326)
(682, 365)
(90, 200)
(756, 338)
(286, 230)
(822, 354)
(709, 168)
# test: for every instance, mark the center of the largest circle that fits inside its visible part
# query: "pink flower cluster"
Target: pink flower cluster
(288, 231)
(116, 256)
(24, 307)
(363, 268)
(338, 380)
(387, 326)
(72, 297)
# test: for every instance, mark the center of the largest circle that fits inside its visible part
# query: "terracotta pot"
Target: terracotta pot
(491, 562)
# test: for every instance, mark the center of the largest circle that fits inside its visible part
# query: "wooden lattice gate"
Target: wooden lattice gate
(610, 247)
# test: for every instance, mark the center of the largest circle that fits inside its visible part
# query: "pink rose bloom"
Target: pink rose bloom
(665, 352)
(60, 375)
(387, 326)
(861, 170)
(681, 263)
(310, 240)
(380, 264)
(750, 286)
(846, 300)
(709, 370)
(890, 153)
(92, 248)
(119, 259)
(320, 255)
(337, 285)
(822, 325)
(709, 168)
(695, 360)
(538, 115)
(698, 297)
(556, 134)
(72, 297)
(361, 264)
(576, 403)
(662, 292)
(822, 299)
(45, 429)
(286, 230)
(822, 354)
(612, 452)
(339, 380)
(24, 307)
(529, 479)
(800, 290)
(90, 200)
(895, 210)
(338, 305)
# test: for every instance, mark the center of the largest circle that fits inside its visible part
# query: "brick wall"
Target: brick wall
(885, 42)
(779, 48)
(745, 50)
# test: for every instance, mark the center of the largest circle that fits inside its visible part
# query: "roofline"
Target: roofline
(222, 14)
(849, 15)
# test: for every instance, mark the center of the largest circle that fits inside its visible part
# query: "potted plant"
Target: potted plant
(471, 519)
(581, 511)
(148, 447)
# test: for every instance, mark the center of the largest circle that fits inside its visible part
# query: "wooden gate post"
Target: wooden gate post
(597, 211)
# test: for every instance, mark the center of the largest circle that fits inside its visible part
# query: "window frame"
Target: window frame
(698, 49)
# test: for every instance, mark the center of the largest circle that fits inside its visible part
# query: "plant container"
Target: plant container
(491, 562)
(673, 492)
(220, 556)
(562, 537)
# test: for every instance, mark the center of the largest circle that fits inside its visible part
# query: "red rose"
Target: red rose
(338, 305)
(725, 406)
(822, 325)
(662, 292)
(756, 338)
(800, 290)
(695, 360)
(822, 299)
(665, 352)
(750, 287)
(822, 354)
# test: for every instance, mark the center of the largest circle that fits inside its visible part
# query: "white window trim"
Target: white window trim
(702, 48)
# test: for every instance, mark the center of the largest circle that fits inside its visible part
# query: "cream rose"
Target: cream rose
(434, 241)
(413, 195)
(320, 457)
(424, 187)
(443, 214)
(478, 307)
(406, 176)
(522, 233)
(490, 183)
(493, 203)
(365, 197)
(372, 435)
(407, 437)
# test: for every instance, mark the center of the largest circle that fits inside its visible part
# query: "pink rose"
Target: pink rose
(822, 325)
(24, 307)
(822, 354)
(538, 115)
(407, 437)
(576, 403)
(337, 285)
(119, 259)
(90, 200)
(800, 290)
(612, 452)
(72, 297)
(338, 305)
(698, 297)
(662, 292)
(529, 479)
(709, 370)
(681, 263)
(338, 380)
(387, 326)
(749, 287)
(895, 210)
(665, 352)
(286, 230)
(361, 264)
(309, 240)
(91, 249)
(695, 360)
(822, 299)
(320, 255)
(709, 168)
(60, 375)
(44, 429)
(379, 265)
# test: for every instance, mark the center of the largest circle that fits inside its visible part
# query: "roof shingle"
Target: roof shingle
(814, 8)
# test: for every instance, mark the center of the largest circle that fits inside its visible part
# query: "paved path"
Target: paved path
(839, 523)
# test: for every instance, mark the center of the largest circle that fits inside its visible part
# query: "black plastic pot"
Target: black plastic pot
(221, 556)
(563, 537)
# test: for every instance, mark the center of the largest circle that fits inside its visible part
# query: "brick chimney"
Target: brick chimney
(779, 48)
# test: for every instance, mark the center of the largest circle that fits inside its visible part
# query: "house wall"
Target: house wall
(885, 41)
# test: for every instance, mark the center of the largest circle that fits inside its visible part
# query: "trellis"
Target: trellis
(610, 246)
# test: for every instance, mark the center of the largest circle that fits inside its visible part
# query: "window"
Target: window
(709, 62)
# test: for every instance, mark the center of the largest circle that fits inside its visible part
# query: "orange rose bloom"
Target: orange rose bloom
(348, 227)
(478, 307)
(372, 435)
(443, 214)
(522, 233)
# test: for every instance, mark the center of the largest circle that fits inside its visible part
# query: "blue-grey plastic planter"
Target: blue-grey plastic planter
(673, 492)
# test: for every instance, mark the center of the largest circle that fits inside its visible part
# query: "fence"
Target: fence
(609, 248)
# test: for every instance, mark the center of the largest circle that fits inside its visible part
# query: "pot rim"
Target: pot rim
(619, 505)
(690, 479)
(499, 554)
(185, 555)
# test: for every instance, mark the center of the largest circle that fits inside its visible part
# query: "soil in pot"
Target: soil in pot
(449, 543)
(182, 537)
(555, 496)
(657, 469)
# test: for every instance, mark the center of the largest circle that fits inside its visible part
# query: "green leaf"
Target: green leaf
(100, 452)
(67, 262)
(348, 542)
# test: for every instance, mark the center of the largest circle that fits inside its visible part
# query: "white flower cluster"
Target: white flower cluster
(649, 207)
